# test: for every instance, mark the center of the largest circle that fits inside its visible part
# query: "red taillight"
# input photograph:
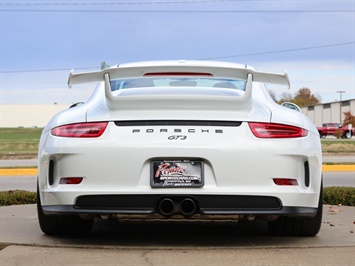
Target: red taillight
(80, 130)
(285, 182)
(179, 74)
(70, 180)
(269, 130)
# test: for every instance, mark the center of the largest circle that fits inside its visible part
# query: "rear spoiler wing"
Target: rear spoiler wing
(113, 102)
(134, 72)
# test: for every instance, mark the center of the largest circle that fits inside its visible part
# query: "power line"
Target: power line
(282, 51)
(174, 11)
(78, 3)
(209, 58)
(43, 70)
(73, 3)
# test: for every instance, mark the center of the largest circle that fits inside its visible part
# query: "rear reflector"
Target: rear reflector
(269, 130)
(70, 180)
(179, 74)
(80, 130)
(285, 182)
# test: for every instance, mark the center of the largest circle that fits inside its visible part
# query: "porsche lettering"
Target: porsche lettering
(177, 130)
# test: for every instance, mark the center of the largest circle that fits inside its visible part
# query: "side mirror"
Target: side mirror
(291, 106)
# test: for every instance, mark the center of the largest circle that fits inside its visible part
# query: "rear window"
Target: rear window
(169, 82)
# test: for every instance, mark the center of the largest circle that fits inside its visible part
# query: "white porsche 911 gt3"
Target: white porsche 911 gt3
(180, 140)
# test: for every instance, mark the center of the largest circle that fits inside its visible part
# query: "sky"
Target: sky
(41, 41)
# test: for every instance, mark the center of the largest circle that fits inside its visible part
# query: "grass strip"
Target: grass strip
(339, 196)
(17, 197)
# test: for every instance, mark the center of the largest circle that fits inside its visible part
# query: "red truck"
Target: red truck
(331, 128)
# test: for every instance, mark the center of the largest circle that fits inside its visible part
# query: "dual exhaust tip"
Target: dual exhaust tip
(186, 207)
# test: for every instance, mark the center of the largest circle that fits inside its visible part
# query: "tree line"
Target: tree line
(303, 97)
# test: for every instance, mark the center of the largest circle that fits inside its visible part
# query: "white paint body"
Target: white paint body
(235, 161)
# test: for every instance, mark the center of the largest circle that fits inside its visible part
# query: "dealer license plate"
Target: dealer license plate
(176, 173)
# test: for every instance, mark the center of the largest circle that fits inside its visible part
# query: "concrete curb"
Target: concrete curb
(34, 171)
(339, 168)
(18, 171)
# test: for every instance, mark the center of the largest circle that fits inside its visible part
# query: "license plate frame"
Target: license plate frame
(176, 173)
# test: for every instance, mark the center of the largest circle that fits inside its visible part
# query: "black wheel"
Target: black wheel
(348, 134)
(322, 136)
(62, 225)
(293, 226)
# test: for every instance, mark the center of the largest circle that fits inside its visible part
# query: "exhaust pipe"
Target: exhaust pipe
(188, 207)
(166, 207)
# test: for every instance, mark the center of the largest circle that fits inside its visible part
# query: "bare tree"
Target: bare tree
(273, 95)
(286, 97)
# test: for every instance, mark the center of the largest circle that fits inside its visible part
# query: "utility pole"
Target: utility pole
(341, 93)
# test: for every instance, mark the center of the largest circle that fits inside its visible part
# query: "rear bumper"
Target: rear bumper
(205, 205)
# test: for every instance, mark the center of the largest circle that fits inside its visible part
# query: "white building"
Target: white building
(329, 112)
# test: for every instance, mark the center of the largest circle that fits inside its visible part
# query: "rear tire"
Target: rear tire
(293, 226)
(348, 135)
(322, 136)
(62, 225)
